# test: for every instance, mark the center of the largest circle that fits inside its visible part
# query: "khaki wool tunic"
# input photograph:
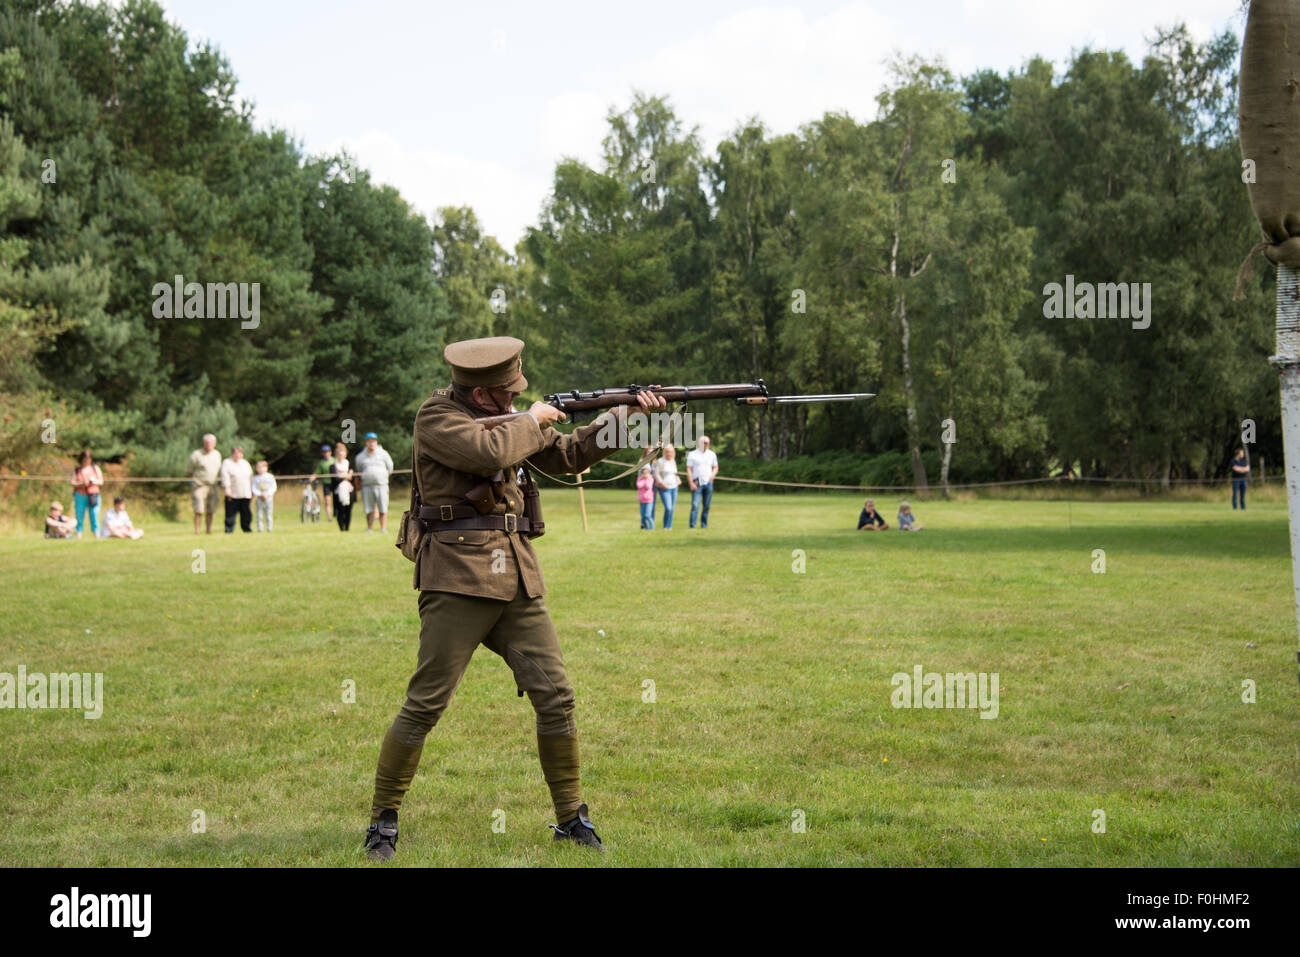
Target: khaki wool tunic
(453, 453)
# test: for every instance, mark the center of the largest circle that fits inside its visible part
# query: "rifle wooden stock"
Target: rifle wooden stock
(492, 421)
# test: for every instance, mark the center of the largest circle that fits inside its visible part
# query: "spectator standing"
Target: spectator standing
(342, 472)
(701, 469)
(374, 465)
(58, 525)
(205, 480)
(117, 524)
(86, 483)
(870, 520)
(264, 495)
(667, 482)
(324, 475)
(645, 495)
(237, 483)
(1240, 473)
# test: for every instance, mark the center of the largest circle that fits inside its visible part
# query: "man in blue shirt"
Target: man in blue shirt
(1240, 472)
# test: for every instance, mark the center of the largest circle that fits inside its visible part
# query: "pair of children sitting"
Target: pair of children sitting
(870, 520)
(116, 523)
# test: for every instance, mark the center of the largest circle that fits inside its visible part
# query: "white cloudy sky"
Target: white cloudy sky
(460, 103)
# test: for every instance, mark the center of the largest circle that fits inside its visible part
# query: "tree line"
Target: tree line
(910, 254)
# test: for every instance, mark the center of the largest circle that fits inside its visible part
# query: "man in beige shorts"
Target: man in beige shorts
(205, 490)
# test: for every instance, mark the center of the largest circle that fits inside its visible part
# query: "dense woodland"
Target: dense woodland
(905, 254)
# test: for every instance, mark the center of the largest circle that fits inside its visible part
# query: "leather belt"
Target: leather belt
(454, 517)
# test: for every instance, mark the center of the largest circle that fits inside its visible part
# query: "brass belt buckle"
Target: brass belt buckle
(447, 512)
(512, 522)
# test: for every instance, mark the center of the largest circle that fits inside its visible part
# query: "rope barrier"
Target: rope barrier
(131, 478)
(1055, 479)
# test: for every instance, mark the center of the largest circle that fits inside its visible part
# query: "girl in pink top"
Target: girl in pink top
(645, 494)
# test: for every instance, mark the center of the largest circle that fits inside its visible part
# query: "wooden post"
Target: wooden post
(582, 499)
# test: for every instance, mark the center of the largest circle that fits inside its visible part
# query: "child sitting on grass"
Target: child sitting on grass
(58, 525)
(870, 519)
(906, 520)
(117, 524)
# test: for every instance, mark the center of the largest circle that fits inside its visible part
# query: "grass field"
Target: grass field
(1119, 692)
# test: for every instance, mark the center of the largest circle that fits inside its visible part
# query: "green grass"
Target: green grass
(1119, 691)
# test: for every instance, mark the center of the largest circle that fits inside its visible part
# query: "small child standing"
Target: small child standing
(264, 495)
(645, 494)
(906, 520)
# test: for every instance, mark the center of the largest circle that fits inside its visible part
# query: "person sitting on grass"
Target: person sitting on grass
(906, 520)
(58, 525)
(117, 524)
(870, 519)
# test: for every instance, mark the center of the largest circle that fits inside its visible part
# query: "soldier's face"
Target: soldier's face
(499, 401)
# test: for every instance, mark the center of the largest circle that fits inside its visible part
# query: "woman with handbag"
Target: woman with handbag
(86, 481)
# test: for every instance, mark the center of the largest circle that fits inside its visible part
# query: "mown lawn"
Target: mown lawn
(1119, 692)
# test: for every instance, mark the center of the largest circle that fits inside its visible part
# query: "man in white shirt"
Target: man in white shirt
(374, 465)
(237, 483)
(205, 471)
(701, 469)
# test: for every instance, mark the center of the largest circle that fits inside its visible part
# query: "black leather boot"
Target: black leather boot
(381, 837)
(580, 830)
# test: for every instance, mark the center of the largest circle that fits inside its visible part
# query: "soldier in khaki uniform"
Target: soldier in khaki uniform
(471, 505)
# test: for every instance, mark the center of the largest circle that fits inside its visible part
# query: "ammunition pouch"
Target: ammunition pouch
(533, 506)
(409, 534)
(485, 494)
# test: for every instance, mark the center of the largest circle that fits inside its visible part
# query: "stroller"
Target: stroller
(310, 502)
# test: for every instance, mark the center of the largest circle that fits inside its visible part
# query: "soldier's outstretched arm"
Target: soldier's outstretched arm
(590, 443)
(460, 442)
(585, 445)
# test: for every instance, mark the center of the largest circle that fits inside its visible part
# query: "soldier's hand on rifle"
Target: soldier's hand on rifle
(647, 401)
(546, 414)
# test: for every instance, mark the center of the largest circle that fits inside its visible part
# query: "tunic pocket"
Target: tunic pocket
(463, 536)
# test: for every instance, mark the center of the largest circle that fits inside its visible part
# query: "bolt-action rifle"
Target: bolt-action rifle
(583, 405)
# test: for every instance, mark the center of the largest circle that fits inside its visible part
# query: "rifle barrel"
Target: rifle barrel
(608, 398)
